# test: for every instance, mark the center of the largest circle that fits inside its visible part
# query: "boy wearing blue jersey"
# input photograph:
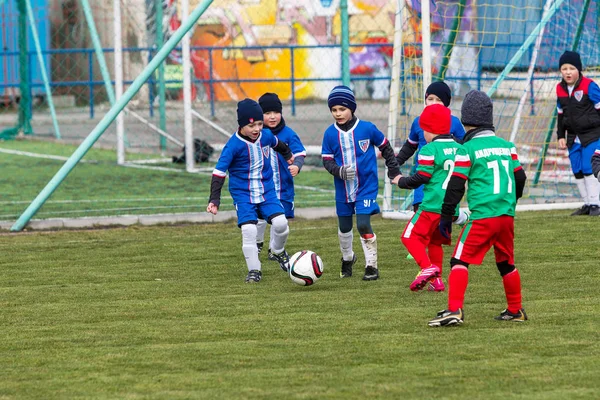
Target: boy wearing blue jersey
(348, 153)
(247, 158)
(283, 173)
(437, 93)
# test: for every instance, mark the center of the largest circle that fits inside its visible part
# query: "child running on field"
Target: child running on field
(437, 93)
(247, 158)
(348, 153)
(578, 127)
(283, 173)
(490, 167)
(435, 164)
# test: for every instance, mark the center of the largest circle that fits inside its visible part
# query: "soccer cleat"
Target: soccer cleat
(259, 246)
(448, 318)
(282, 258)
(594, 211)
(506, 315)
(436, 285)
(253, 276)
(347, 267)
(426, 275)
(409, 257)
(371, 274)
(584, 210)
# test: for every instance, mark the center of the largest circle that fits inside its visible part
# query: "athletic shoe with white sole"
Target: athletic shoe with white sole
(506, 315)
(448, 318)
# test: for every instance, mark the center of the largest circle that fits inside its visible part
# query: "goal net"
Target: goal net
(509, 50)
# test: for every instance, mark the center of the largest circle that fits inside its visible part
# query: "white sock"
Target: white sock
(593, 190)
(582, 189)
(272, 237)
(279, 233)
(346, 245)
(261, 227)
(370, 248)
(249, 246)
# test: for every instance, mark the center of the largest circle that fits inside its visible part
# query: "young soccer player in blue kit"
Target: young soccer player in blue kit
(283, 174)
(247, 158)
(437, 93)
(348, 153)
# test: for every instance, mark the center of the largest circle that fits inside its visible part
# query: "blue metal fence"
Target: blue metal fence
(92, 83)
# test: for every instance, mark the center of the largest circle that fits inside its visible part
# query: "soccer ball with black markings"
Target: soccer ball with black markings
(306, 267)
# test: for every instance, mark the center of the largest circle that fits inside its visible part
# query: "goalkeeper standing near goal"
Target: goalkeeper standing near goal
(489, 165)
(578, 127)
(437, 93)
(246, 156)
(348, 153)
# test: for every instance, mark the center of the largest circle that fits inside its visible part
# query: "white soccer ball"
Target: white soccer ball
(306, 267)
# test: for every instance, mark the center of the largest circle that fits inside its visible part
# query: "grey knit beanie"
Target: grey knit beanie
(477, 110)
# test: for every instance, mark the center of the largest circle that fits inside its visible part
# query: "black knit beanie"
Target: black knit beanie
(441, 90)
(270, 102)
(570, 57)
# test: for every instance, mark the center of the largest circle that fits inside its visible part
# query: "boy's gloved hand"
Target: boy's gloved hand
(446, 227)
(347, 173)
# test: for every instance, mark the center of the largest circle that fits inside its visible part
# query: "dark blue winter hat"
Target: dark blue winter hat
(342, 96)
(570, 57)
(441, 90)
(270, 102)
(248, 111)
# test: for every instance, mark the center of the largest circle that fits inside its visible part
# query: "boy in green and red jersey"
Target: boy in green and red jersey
(491, 168)
(435, 165)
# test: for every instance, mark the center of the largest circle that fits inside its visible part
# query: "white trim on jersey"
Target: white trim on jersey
(276, 173)
(219, 173)
(255, 171)
(597, 106)
(346, 139)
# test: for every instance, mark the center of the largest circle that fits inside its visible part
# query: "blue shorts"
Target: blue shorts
(418, 195)
(366, 207)
(581, 157)
(288, 207)
(251, 213)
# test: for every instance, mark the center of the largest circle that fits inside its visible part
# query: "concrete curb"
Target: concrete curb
(148, 220)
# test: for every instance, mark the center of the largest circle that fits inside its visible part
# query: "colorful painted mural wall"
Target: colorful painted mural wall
(268, 29)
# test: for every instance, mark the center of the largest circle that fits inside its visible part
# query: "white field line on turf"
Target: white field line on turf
(37, 155)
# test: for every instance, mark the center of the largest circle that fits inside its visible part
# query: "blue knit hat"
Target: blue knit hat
(270, 102)
(248, 111)
(342, 96)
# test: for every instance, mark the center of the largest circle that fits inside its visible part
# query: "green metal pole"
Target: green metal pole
(345, 42)
(552, 124)
(524, 47)
(161, 74)
(25, 102)
(38, 49)
(89, 18)
(110, 116)
(451, 40)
